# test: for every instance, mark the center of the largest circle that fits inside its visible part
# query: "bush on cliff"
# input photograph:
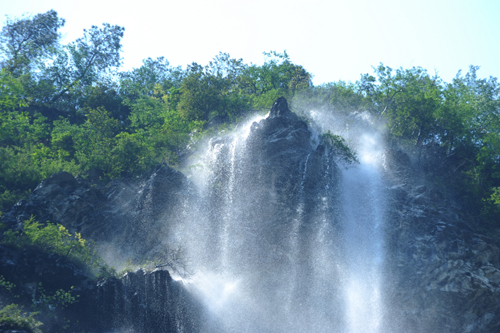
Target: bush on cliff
(13, 319)
(55, 238)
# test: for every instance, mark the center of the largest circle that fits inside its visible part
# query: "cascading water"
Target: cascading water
(279, 243)
(363, 203)
(363, 211)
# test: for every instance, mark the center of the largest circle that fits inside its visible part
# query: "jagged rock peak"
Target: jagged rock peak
(280, 108)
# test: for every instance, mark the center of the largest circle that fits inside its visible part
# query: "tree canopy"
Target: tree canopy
(70, 108)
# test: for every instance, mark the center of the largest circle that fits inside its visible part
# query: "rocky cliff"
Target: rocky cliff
(443, 275)
(126, 213)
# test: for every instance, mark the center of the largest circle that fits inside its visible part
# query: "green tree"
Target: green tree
(278, 76)
(94, 141)
(24, 41)
(86, 60)
(408, 99)
(105, 94)
(143, 81)
(342, 96)
(200, 95)
(11, 92)
(12, 318)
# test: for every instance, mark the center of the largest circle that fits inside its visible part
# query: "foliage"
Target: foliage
(144, 81)
(342, 97)
(278, 76)
(340, 147)
(55, 238)
(408, 100)
(43, 303)
(25, 41)
(200, 96)
(12, 318)
(462, 118)
(60, 299)
(64, 108)
(19, 175)
(86, 60)
(9, 286)
(11, 91)
(495, 196)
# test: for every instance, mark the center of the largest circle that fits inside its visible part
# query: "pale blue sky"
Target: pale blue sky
(334, 40)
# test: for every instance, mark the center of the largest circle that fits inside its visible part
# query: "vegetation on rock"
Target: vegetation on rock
(45, 248)
(55, 238)
(339, 145)
(12, 318)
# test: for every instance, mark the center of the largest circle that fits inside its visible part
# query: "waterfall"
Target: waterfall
(282, 238)
(363, 204)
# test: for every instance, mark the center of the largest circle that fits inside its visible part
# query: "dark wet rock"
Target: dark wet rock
(144, 302)
(139, 301)
(217, 120)
(278, 148)
(280, 109)
(123, 212)
(29, 265)
(94, 176)
(442, 274)
(37, 275)
(153, 211)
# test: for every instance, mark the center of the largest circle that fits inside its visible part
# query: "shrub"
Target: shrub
(55, 238)
(11, 318)
(339, 145)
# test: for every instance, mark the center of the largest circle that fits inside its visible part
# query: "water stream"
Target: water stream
(308, 259)
(363, 204)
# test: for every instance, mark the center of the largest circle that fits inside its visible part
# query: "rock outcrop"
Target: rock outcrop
(144, 302)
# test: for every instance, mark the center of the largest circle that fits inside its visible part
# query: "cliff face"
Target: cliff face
(271, 211)
(442, 274)
(126, 213)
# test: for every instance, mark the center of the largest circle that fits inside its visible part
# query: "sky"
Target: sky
(333, 39)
